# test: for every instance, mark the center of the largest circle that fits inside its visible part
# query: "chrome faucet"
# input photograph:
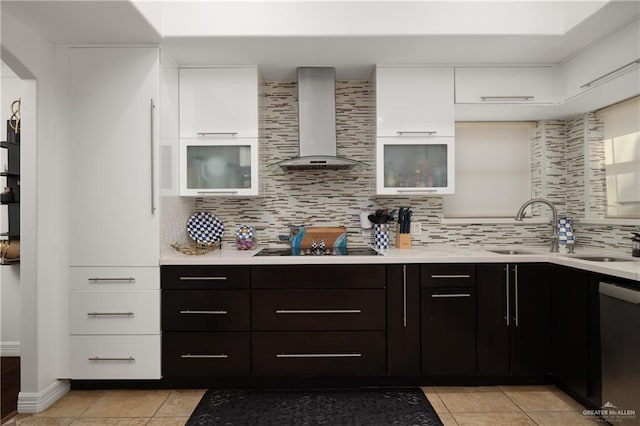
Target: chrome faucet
(554, 220)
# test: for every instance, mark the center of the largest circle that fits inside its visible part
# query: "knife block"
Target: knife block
(403, 241)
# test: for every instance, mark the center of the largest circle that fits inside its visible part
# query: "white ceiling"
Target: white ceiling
(83, 22)
(280, 52)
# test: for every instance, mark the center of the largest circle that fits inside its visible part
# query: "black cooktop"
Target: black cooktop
(351, 251)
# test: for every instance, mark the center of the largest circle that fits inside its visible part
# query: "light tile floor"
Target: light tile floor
(506, 405)
(477, 406)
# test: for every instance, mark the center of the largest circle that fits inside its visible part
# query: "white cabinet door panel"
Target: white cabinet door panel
(533, 85)
(219, 102)
(221, 167)
(112, 144)
(115, 357)
(114, 312)
(415, 101)
(598, 64)
(115, 278)
(415, 166)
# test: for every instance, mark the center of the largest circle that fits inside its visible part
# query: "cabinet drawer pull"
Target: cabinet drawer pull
(153, 161)
(203, 278)
(451, 276)
(343, 355)
(451, 295)
(318, 311)
(98, 359)
(517, 318)
(422, 132)
(404, 296)
(218, 312)
(95, 280)
(217, 133)
(603, 76)
(416, 191)
(504, 98)
(216, 356)
(217, 192)
(110, 314)
(507, 285)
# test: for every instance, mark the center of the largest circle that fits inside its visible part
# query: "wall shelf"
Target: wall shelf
(11, 191)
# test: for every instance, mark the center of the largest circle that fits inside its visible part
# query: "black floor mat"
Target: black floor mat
(365, 406)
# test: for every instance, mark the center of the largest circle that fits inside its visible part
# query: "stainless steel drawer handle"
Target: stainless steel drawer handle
(217, 133)
(153, 161)
(451, 276)
(451, 295)
(416, 191)
(217, 192)
(218, 312)
(203, 278)
(98, 359)
(111, 280)
(421, 132)
(318, 311)
(214, 356)
(602, 77)
(404, 296)
(343, 355)
(504, 98)
(110, 314)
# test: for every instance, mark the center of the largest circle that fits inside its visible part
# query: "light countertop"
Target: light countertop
(231, 256)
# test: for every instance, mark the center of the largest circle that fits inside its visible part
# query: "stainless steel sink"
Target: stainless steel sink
(603, 259)
(507, 251)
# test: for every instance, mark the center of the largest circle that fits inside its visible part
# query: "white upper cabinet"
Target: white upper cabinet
(415, 166)
(514, 85)
(617, 56)
(220, 167)
(219, 102)
(414, 101)
(113, 98)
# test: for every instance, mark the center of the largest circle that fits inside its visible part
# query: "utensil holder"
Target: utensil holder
(565, 233)
(381, 236)
(403, 241)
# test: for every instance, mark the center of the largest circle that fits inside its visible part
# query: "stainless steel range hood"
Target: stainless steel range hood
(317, 124)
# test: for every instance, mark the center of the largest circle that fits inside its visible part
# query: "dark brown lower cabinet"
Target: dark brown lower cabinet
(513, 319)
(203, 354)
(575, 335)
(448, 331)
(403, 320)
(319, 353)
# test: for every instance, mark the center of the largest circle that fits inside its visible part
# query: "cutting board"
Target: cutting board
(333, 236)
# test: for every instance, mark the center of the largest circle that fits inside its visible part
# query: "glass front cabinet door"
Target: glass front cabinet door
(415, 166)
(218, 167)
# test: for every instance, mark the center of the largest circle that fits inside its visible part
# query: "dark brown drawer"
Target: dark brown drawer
(319, 353)
(448, 275)
(204, 277)
(205, 310)
(202, 354)
(318, 276)
(318, 310)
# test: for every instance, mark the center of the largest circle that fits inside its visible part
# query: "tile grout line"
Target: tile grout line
(521, 409)
(171, 392)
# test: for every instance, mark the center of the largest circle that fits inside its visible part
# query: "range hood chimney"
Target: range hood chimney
(317, 124)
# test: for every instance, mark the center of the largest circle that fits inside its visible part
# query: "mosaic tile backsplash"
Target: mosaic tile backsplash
(336, 198)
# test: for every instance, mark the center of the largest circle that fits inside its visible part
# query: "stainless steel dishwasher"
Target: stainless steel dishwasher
(620, 346)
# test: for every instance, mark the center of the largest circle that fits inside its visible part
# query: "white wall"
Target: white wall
(44, 243)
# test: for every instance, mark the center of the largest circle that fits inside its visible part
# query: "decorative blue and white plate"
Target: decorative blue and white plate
(205, 228)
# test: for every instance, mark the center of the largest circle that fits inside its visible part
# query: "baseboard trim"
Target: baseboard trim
(35, 402)
(10, 349)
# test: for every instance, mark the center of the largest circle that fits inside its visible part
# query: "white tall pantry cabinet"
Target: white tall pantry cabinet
(114, 296)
